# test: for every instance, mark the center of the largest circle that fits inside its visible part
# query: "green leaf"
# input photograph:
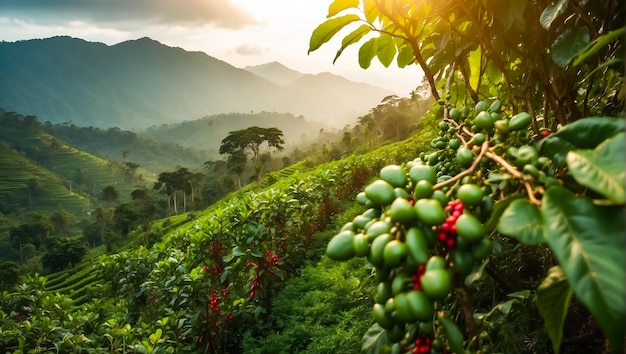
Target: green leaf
(553, 296)
(370, 10)
(374, 340)
(325, 31)
(453, 334)
(352, 38)
(224, 275)
(522, 294)
(476, 275)
(239, 251)
(405, 56)
(154, 338)
(498, 209)
(602, 169)
(588, 242)
(339, 5)
(598, 44)
(522, 220)
(551, 12)
(385, 49)
(367, 53)
(584, 133)
(569, 45)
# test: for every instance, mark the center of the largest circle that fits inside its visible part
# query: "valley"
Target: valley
(160, 200)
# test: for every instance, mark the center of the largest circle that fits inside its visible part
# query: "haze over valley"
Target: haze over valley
(140, 83)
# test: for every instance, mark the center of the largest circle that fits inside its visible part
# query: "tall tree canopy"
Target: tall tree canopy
(255, 143)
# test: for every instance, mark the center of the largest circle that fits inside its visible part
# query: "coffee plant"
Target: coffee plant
(514, 161)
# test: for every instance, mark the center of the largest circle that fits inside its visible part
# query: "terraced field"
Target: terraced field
(14, 193)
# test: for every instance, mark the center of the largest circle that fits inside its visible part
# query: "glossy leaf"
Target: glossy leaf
(598, 44)
(551, 12)
(385, 49)
(553, 297)
(588, 242)
(325, 31)
(370, 10)
(522, 294)
(584, 133)
(498, 209)
(239, 251)
(522, 220)
(453, 333)
(476, 274)
(375, 340)
(405, 57)
(602, 169)
(339, 5)
(352, 38)
(569, 45)
(367, 53)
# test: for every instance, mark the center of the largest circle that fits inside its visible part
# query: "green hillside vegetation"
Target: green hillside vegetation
(47, 178)
(81, 171)
(114, 144)
(208, 132)
(322, 194)
(493, 223)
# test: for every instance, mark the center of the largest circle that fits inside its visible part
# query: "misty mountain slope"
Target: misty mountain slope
(207, 133)
(139, 83)
(275, 72)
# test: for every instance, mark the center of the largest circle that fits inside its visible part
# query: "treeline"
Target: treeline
(183, 189)
(116, 144)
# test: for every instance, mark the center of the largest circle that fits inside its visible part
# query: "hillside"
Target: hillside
(275, 72)
(142, 82)
(207, 133)
(121, 146)
(71, 179)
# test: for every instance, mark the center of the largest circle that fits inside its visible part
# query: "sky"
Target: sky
(240, 32)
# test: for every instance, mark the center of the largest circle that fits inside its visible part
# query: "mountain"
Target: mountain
(140, 83)
(207, 133)
(275, 72)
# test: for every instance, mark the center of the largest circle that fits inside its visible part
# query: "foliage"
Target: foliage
(63, 252)
(324, 309)
(9, 275)
(247, 142)
(496, 49)
(549, 65)
(155, 154)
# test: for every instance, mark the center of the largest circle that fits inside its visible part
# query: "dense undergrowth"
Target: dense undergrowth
(212, 284)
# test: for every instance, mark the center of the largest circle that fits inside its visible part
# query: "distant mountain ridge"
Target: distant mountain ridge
(140, 83)
(275, 72)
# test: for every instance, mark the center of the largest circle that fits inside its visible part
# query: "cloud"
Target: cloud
(249, 49)
(219, 13)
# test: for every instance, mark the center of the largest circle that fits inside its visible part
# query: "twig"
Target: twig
(515, 173)
(483, 150)
(466, 305)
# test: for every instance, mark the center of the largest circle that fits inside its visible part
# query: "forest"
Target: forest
(484, 213)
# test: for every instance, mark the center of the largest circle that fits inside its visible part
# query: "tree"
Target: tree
(126, 218)
(145, 202)
(250, 142)
(556, 69)
(109, 194)
(35, 187)
(167, 184)
(62, 253)
(104, 217)
(61, 221)
(9, 275)
(236, 164)
(129, 170)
